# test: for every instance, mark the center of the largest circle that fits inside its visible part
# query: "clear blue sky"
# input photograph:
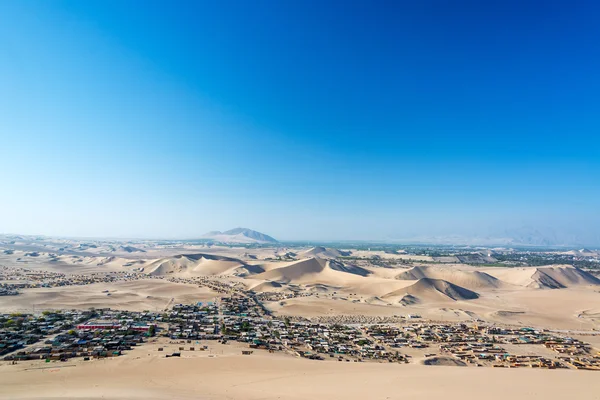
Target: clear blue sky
(302, 119)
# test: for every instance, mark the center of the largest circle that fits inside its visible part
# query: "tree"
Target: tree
(152, 330)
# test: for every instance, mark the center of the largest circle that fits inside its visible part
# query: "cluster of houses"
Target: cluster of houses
(20, 330)
(482, 345)
(106, 335)
(193, 321)
(239, 318)
(339, 341)
(491, 354)
(575, 353)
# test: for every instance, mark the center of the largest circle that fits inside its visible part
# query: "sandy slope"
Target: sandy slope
(324, 252)
(555, 277)
(314, 270)
(437, 289)
(469, 279)
(264, 376)
(193, 265)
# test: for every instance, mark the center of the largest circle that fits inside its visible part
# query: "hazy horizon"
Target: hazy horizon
(521, 237)
(302, 120)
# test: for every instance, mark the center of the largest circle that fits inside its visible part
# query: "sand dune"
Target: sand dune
(433, 289)
(199, 265)
(467, 279)
(556, 277)
(351, 269)
(248, 270)
(313, 270)
(295, 271)
(324, 252)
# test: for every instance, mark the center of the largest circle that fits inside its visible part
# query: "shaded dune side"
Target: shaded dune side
(555, 277)
(324, 252)
(467, 279)
(565, 276)
(294, 271)
(351, 269)
(433, 289)
(313, 270)
(199, 264)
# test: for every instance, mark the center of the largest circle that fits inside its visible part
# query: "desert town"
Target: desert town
(58, 336)
(269, 304)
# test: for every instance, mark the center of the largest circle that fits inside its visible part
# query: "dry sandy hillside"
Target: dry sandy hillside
(555, 277)
(426, 288)
(469, 279)
(143, 375)
(324, 252)
(198, 265)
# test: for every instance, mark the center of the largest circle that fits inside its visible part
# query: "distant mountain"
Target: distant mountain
(239, 235)
(522, 236)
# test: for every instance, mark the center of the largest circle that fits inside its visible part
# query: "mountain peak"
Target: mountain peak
(240, 235)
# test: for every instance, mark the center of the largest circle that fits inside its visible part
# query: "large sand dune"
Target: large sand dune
(324, 252)
(314, 270)
(198, 265)
(467, 279)
(433, 289)
(556, 277)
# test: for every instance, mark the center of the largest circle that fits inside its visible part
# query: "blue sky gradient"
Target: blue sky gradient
(302, 119)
